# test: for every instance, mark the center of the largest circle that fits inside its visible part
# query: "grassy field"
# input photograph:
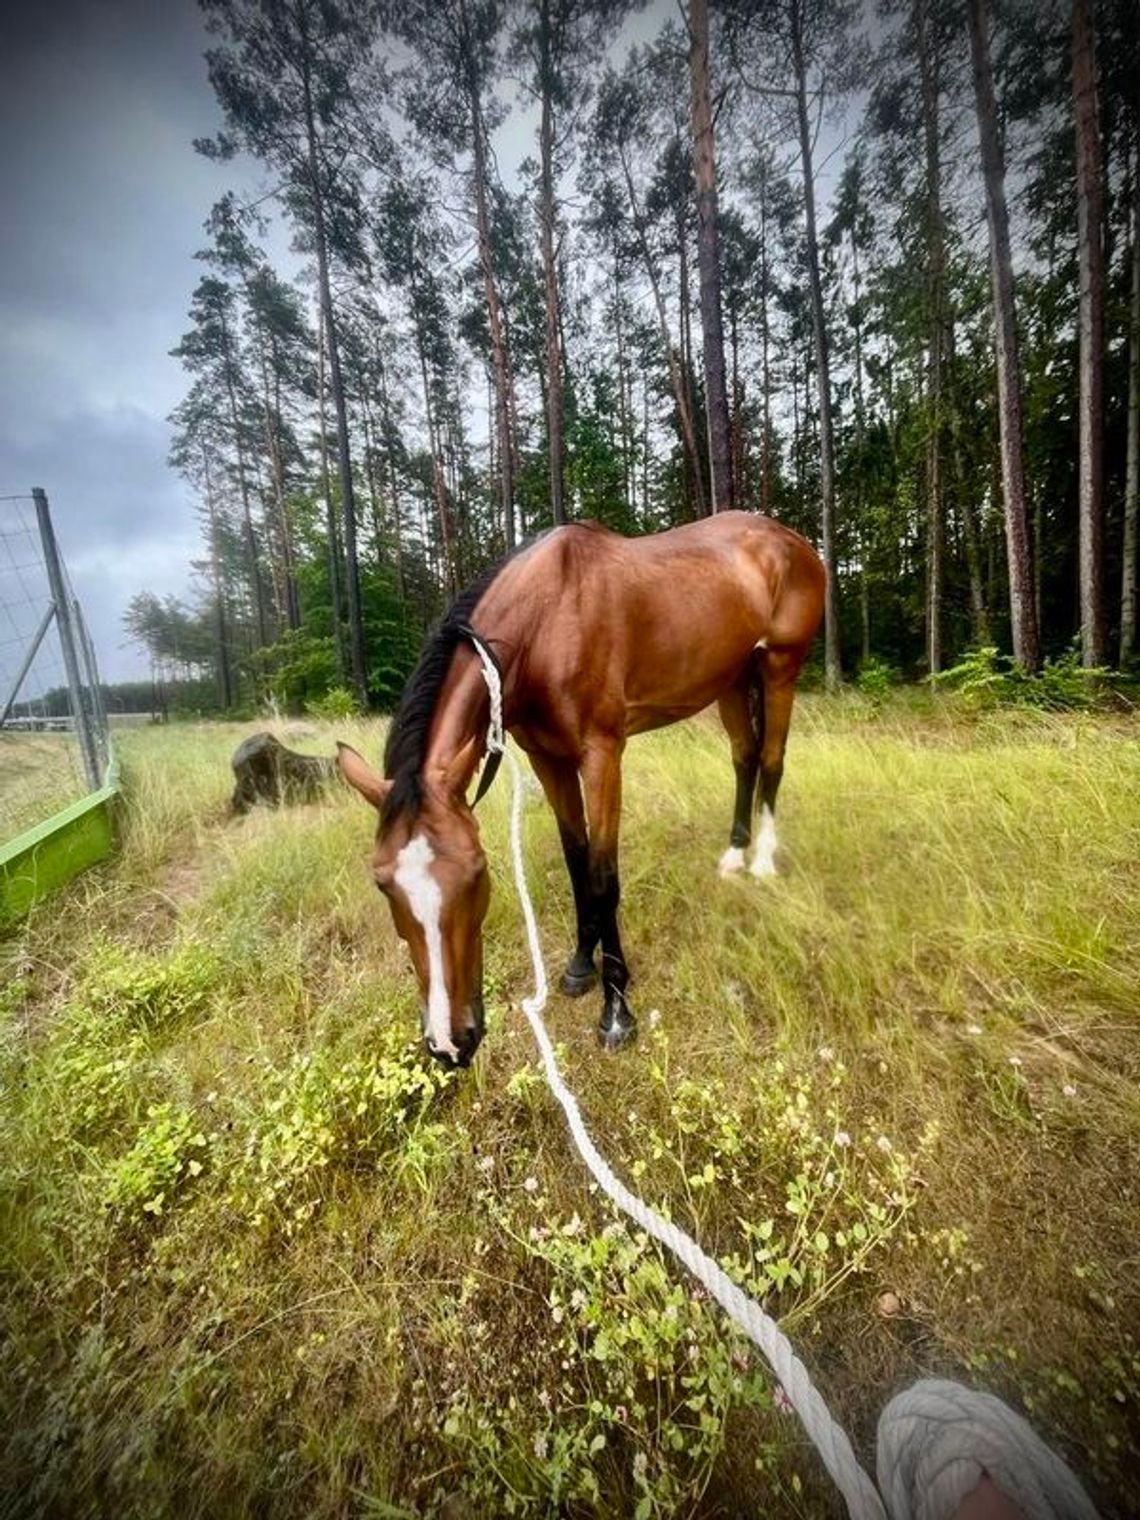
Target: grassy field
(39, 774)
(257, 1258)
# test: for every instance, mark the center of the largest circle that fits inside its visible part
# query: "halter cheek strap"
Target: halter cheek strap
(496, 740)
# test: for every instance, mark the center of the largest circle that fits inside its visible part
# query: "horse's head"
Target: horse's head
(432, 870)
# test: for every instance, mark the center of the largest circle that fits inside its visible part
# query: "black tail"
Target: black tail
(756, 700)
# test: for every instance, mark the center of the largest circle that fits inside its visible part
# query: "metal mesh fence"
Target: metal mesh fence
(53, 731)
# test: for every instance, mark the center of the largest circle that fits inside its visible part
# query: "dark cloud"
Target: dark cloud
(101, 211)
(124, 522)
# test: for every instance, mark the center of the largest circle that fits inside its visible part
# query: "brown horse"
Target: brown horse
(596, 637)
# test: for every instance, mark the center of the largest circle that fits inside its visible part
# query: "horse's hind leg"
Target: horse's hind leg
(601, 785)
(779, 668)
(560, 783)
(736, 713)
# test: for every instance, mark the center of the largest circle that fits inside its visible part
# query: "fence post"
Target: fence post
(63, 616)
(100, 730)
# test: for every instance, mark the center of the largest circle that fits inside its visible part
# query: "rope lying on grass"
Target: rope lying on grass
(964, 1434)
(829, 1438)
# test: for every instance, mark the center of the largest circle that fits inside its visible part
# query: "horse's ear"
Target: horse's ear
(359, 774)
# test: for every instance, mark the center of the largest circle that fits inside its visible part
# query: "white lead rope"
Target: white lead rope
(829, 1439)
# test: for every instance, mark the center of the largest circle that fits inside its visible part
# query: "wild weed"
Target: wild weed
(324, 1114)
(630, 1388)
(169, 1153)
(151, 991)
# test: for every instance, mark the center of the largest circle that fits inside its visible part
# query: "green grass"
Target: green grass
(40, 773)
(257, 1258)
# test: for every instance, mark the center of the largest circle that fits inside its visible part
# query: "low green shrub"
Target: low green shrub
(327, 1113)
(93, 1084)
(145, 990)
(876, 679)
(168, 1154)
(987, 678)
(92, 1069)
(336, 703)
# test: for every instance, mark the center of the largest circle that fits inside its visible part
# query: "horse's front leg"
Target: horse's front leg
(560, 783)
(601, 785)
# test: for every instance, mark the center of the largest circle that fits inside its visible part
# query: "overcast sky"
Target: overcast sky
(102, 200)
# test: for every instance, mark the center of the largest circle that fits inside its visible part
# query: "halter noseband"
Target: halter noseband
(496, 739)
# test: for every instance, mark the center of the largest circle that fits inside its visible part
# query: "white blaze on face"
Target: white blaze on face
(764, 854)
(413, 877)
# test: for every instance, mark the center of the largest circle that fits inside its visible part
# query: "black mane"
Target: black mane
(406, 748)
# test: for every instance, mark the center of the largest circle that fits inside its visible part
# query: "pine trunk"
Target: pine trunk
(765, 370)
(1019, 546)
(494, 315)
(697, 480)
(370, 475)
(271, 412)
(357, 658)
(439, 485)
(676, 369)
(936, 297)
(1128, 619)
(708, 255)
(860, 438)
(967, 516)
(225, 678)
(980, 631)
(625, 420)
(833, 672)
(1090, 250)
(334, 556)
(248, 535)
(737, 414)
(554, 404)
(393, 476)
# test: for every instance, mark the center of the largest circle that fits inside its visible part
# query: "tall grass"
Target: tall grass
(257, 1258)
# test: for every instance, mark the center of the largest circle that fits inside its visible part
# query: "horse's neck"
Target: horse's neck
(459, 729)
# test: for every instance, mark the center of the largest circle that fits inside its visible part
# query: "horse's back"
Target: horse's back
(698, 575)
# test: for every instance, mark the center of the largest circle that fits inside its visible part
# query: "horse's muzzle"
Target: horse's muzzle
(466, 1043)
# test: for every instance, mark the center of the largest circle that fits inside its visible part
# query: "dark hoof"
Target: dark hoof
(618, 1026)
(579, 976)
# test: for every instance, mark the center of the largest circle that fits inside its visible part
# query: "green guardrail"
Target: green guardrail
(44, 857)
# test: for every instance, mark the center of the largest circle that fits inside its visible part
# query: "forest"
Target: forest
(872, 270)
